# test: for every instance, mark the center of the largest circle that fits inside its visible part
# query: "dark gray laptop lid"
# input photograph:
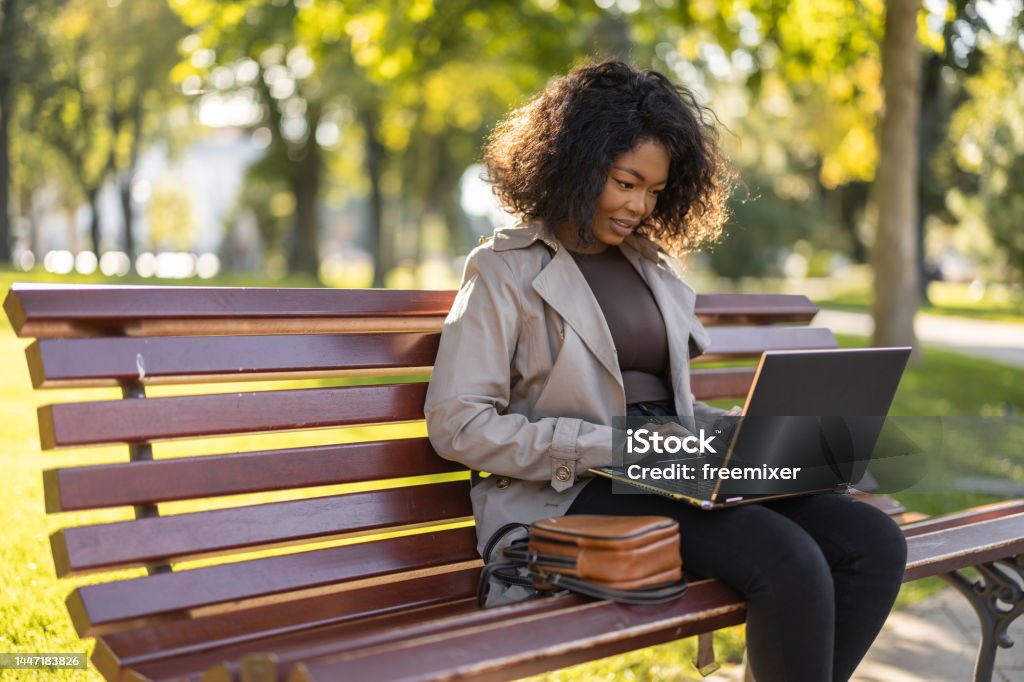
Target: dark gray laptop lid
(841, 382)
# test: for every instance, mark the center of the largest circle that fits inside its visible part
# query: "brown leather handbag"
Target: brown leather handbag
(628, 559)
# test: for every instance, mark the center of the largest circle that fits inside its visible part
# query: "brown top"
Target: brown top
(634, 320)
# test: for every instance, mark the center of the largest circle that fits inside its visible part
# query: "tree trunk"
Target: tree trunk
(6, 100)
(894, 257)
(94, 219)
(932, 108)
(305, 251)
(124, 186)
(853, 197)
(383, 259)
(127, 179)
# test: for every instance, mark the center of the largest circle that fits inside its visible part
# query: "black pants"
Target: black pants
(820, 572)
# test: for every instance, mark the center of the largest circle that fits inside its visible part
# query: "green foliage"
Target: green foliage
(988, 144)
(98, 77)
(763, 228)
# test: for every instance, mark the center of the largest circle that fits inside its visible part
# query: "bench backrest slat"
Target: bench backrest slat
(183, 478)
(107, 307)
(158, 540)
(727, 342)
(69, 310)
(110, 361)
(103, 605)
(107, 361)
(145, 420)
(725, 382)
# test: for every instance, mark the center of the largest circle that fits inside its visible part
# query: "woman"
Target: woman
(577, 316)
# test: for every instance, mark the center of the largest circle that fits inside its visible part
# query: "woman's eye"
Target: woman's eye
(625, 185)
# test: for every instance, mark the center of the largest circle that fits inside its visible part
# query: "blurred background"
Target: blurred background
(336, 142)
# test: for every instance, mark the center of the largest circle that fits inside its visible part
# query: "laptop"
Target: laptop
(810, 424)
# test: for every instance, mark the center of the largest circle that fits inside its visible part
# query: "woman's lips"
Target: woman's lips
(621, 227)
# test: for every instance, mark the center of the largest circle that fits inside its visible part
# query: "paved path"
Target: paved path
(934, 640)
(998, 341)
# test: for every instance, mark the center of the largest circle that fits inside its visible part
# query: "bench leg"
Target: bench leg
(997, 599)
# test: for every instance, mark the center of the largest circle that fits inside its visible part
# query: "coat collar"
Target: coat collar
(562, 286)
(525, 234)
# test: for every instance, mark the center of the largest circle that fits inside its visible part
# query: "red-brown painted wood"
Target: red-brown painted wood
(178, 639)
(952, 549)
(104, 606)
(729, 382)
(143, 420)
(101, 361)
(48, 311)
(133, 483)
(515, 647)
(158, 540)
(752, 341)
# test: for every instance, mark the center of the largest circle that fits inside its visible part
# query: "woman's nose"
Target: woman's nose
(638, 203)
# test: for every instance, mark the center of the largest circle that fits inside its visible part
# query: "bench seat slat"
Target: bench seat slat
(143, 420)
(153, 541)
(334, 644)
(106, 361)
(529, 644)
(513, 647)
(292, 647)
(952, 549)
(345, 637)
(183, 637)
(104, 606)
(995, 510)
(182, 478)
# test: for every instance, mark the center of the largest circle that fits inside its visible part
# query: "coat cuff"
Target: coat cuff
(564, 453)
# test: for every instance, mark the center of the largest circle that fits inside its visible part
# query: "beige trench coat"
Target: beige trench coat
(526, 381)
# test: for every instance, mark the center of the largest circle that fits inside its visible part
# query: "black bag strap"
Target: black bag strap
(505, 571)
(517, 556)
(647, 595)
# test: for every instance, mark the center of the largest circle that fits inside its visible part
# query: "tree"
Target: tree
(23, 61)
(894, 258)
(108, 65)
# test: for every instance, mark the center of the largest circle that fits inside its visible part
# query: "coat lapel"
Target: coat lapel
(563, 287)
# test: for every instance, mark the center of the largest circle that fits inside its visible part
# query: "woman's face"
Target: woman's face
(630, 193)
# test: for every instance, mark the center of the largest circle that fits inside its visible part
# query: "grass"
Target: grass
(996, 304)
(31, 599)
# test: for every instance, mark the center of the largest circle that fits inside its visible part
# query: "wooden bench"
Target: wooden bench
(344, 602)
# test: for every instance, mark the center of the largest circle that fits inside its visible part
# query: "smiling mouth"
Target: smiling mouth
(622, 227)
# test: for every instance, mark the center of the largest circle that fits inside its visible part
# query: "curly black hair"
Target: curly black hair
(549, 160)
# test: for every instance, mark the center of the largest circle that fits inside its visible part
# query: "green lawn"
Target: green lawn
(996, 304)
(31, 601)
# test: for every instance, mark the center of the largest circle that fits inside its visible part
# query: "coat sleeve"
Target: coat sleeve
(468, 397)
